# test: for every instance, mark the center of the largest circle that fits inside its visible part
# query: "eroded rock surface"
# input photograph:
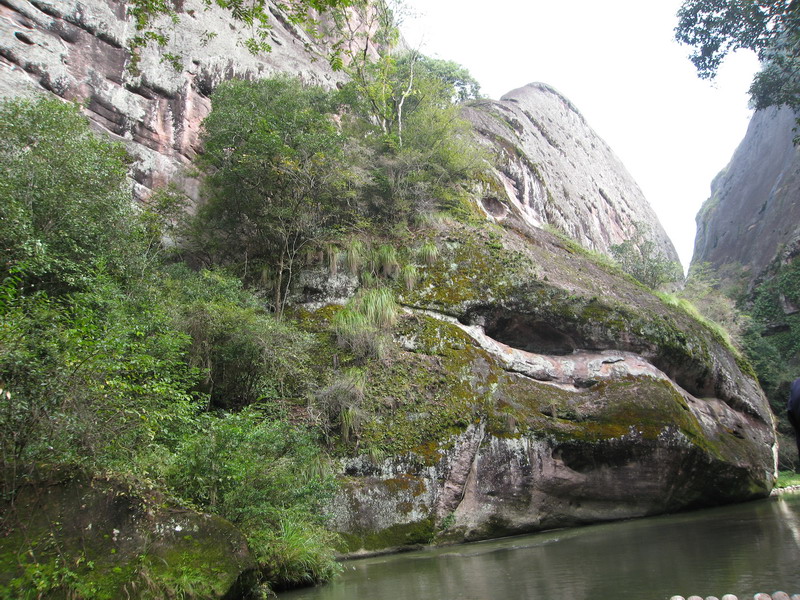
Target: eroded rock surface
(753, 213)
(556, 170)
(79, 50)
(555, 393)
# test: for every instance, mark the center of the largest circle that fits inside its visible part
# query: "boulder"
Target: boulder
(76, 536)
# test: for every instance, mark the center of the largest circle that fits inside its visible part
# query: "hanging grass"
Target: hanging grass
(428, 252)
(386, 263)
(362, 325)
(332, 256)
(379, 307)
(410, 275)
(339, 404)
(354, 256)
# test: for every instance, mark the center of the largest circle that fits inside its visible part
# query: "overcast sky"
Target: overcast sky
(617, 62)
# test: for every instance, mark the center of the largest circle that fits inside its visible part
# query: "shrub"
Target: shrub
(248, 354)
(263, 476)
(640, 258)
(66, 204)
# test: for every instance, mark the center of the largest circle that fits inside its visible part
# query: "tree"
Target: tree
(66, 206)
(771, 28)
(391, 82)
(277, 181)
(639, 257)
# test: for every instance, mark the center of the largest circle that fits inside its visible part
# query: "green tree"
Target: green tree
(640, 257)
(277, 179)
(771, 28)
(66, 206)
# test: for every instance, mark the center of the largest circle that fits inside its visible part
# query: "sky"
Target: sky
(617, 62)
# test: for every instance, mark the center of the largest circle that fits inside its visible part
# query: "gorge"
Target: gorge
(517, 381)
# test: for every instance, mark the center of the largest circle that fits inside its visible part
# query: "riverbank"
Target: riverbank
(788, 482)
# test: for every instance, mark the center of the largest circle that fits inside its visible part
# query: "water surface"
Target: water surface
(740, 550)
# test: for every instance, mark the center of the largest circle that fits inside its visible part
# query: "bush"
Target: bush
(66, 205)
(92, 370)
(94, 381)
(269, 478)
(247, 354)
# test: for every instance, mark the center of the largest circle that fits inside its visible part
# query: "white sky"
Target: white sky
(617, 62)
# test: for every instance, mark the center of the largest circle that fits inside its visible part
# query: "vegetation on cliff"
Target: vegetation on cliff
(162, 350)
(118, 360)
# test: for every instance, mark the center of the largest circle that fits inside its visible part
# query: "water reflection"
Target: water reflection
(740, 549)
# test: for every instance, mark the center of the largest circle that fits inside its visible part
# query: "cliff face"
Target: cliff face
(532, 387)
(537, 389)
(78, 51)
(754, 208)
(556, 170)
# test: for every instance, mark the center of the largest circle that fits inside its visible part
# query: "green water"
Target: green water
(740, 550)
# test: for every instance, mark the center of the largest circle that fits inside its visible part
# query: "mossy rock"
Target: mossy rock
(81, 537)
(402, 536)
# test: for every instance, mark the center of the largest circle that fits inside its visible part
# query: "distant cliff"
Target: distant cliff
(753, 213)
(556, 170)
(749, 232)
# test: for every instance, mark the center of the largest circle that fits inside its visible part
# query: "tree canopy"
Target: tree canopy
(771, 28)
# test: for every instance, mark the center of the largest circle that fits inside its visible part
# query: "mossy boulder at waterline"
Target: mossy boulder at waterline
(536, 387)
(79, 537)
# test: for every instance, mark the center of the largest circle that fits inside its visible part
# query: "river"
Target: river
(741, 549)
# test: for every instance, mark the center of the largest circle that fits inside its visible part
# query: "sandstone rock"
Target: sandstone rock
(121, 543)
(579, 398)
(556, 170)
(754, 211)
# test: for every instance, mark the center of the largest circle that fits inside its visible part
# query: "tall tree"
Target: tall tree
(277, 181)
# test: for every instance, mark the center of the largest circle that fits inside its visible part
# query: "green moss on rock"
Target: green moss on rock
(100, 539)
(399, 536)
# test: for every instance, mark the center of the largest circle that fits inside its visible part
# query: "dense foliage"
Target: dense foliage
(278, 180)
(294, 169)
(118, 358)
(110, 359)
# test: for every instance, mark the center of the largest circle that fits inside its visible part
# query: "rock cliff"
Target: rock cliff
(753, 213)
(556, 170)
(537, 389)
(79, 50)
(532, 386)
(749, 232)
